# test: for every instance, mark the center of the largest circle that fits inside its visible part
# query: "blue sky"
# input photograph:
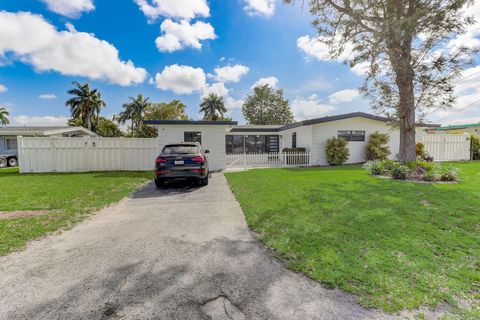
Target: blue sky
(170, 49)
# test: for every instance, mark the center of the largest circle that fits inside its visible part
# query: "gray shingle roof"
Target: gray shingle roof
(31, 128)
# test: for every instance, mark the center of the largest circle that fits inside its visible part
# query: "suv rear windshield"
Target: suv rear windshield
(181, 149)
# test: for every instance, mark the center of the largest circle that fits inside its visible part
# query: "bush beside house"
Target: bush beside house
(337, 151)
(475, 147)
(377, 147)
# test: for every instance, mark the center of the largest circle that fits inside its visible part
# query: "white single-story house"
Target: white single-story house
(9, 134)
(227, 137)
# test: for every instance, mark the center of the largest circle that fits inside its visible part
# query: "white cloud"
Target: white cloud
(343, 96)
(179, 35)
(233, 104)
(70, 8)
(309, 108)
(470, 38)
(180, 9)
(314, 47)
(217, 88)
(24, 120)
(35, 41)
(181, 79)
(3, 88)
(230, 73)
(271, 81)
(260, 7)
(47, 96)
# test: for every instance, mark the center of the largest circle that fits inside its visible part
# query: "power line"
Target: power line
(459, 110)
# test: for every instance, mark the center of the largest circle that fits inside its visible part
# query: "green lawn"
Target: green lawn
(68, 197)
(396, 244)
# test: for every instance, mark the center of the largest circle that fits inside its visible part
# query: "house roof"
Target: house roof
(41, 130)
(200, 122)
(460, 126)
(250, 128)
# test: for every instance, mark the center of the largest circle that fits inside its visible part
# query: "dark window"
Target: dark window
(352, 135)
(11, 144)
(294, 140)
(192, 137)
(251, 144)
(272, 143)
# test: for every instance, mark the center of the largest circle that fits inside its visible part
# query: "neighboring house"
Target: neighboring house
(473, 128)
(9, 134)
(226, 137)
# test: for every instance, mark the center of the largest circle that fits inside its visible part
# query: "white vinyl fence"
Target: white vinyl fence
(243, 161)
(52, 154)
(446, 147)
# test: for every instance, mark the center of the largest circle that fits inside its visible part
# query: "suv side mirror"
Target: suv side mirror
(207, 151)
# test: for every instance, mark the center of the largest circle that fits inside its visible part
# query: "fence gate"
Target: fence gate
(243, 161)
(55, 154)
(446, 147)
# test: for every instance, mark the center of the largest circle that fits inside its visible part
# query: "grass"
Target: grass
(396, 244)
(69, 198)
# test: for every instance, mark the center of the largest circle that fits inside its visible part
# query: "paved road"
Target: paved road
(179, 253)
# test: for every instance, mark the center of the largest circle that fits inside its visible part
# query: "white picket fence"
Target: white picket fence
(243, 161)
(52, 154)
(446, 147)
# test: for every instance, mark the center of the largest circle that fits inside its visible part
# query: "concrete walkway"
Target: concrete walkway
(180, 253)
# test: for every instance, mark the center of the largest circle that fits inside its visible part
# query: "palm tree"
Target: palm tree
(211, 105)
(85, 104)
(134, 110)
(3, 116)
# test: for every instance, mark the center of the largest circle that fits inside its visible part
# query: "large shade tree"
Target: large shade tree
(267, 106)
(4, 116)
(404, 48)
(85, 104)
(213, 107)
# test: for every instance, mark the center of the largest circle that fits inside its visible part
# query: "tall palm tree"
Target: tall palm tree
(211, 105)
(85, 104)
(134, 111)
(4, 116)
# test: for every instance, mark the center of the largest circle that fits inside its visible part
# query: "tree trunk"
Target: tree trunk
(406, 114)
(89, 122)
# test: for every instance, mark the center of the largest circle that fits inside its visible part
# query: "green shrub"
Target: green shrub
(449, 174)
(422, 154)
(431, 176)
(375, 167)
(427, 166)
(337, 151)
(389, 165)
(475, 147)
(377, 148)
(400, 172)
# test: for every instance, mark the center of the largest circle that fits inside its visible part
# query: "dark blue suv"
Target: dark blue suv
(182, 161)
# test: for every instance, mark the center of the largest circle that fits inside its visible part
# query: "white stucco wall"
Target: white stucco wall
(213, 139)
(314, 137)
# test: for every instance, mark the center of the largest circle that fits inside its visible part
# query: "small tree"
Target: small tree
(475, 147)
(377, 148)
(267, 106)
(212, 106)
(107, 128)
(337, 151)
(3, 116)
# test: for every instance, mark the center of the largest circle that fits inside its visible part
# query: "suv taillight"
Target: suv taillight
(160, 160)
(200, 159)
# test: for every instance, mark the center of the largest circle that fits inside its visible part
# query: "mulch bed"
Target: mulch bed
(21, 214)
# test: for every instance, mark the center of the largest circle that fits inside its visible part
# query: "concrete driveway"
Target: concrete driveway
(180, 253)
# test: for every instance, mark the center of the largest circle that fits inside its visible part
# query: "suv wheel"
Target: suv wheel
(160, 183)
(3, 162)
(204, 181)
